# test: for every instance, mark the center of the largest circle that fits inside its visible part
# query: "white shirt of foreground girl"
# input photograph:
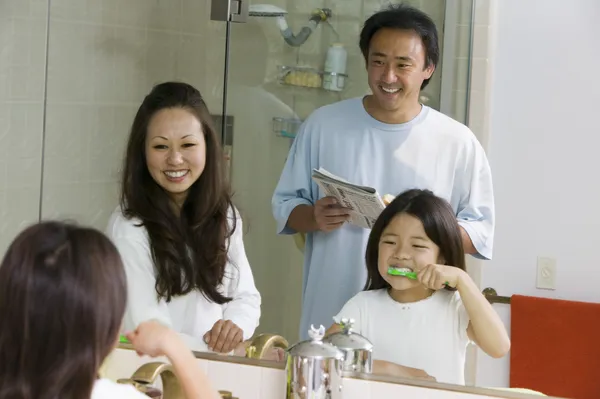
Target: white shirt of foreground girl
(106, 389)
(430, 334)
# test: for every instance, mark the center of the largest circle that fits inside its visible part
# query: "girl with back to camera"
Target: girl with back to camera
(177, 230)
(62, 299)
(420, 325)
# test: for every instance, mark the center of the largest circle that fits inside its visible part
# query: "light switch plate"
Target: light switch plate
(546, 273)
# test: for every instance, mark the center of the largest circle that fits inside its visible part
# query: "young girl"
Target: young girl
(423, 324)
(62, 299)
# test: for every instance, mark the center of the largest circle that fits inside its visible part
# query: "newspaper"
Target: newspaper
(365, 203)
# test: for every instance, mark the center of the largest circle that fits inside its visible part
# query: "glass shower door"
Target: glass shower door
(274, 79)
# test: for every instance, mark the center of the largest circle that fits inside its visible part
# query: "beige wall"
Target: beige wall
(22, 68)
(103, 58)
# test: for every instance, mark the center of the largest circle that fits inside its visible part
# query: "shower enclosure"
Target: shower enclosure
(273, 64)
(73, 73)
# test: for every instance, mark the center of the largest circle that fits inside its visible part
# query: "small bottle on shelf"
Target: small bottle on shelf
(335, 68)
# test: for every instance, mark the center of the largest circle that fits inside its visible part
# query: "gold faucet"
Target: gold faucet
(147, 375)
(143, 378)
(261, 344)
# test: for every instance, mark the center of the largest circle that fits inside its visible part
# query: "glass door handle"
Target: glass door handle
(229, 10)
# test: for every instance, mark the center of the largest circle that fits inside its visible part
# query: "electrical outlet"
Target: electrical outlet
(546, 273)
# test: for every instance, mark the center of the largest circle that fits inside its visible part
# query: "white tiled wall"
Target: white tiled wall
(103, 58)
(22, 70)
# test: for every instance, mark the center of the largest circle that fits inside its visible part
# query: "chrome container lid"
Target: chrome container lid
(315, 347)
(348, 339)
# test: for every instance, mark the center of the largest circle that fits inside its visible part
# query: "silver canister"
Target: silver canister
(357, 350)
(314, 368)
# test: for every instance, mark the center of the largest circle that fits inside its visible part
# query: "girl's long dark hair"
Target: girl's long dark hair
(189, 250)
(439, 223)
(62, 299)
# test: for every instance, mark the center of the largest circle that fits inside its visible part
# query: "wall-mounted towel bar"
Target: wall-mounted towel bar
(493, 297)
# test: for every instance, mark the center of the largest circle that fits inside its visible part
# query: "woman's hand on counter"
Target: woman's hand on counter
(224, 337)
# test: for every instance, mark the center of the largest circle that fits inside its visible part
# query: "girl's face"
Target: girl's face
(404, 244)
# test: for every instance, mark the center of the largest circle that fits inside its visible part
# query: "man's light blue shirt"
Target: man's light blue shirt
(432, 151)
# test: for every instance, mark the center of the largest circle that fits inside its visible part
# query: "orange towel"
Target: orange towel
(555, 347)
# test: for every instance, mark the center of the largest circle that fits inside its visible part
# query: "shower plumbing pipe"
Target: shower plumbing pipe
(317, 16)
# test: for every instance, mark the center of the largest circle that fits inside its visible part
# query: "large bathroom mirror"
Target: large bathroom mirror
(73, 74)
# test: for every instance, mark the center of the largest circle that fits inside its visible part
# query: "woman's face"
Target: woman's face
(175, 151)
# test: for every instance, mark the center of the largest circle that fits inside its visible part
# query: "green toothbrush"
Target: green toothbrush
(123, 340)
(395, 272)
(411, 275)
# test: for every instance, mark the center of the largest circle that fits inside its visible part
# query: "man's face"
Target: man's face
(396, 69)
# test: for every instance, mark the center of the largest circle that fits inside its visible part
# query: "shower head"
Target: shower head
(266, 10)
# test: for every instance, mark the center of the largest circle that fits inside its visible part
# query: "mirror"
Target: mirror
(69, 92)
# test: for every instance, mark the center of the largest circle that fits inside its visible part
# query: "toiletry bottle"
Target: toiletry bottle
(335, 66)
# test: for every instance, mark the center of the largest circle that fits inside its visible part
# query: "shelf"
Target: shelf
(286, 127)
(308, 77)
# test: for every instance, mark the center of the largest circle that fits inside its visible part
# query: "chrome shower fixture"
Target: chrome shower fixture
(316, 17)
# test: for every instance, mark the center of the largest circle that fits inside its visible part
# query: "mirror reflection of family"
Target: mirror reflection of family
(171, 274)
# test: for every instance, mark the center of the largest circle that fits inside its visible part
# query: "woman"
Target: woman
(177, 230)
(62, 298)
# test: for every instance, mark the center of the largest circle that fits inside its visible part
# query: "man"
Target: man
(387, 140)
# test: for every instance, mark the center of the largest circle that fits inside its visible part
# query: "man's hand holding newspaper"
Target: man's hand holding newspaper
(329, 214)
(360, 205)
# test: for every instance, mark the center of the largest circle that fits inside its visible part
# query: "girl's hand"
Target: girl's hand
(151, 338)
(435, 277)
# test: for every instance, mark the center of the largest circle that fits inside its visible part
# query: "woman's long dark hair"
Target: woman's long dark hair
(62, 298)
(189, 250)
(439, 223)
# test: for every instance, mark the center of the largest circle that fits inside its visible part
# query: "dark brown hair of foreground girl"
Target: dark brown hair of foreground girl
(439, 223)
(62, 299)
(203, 226)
